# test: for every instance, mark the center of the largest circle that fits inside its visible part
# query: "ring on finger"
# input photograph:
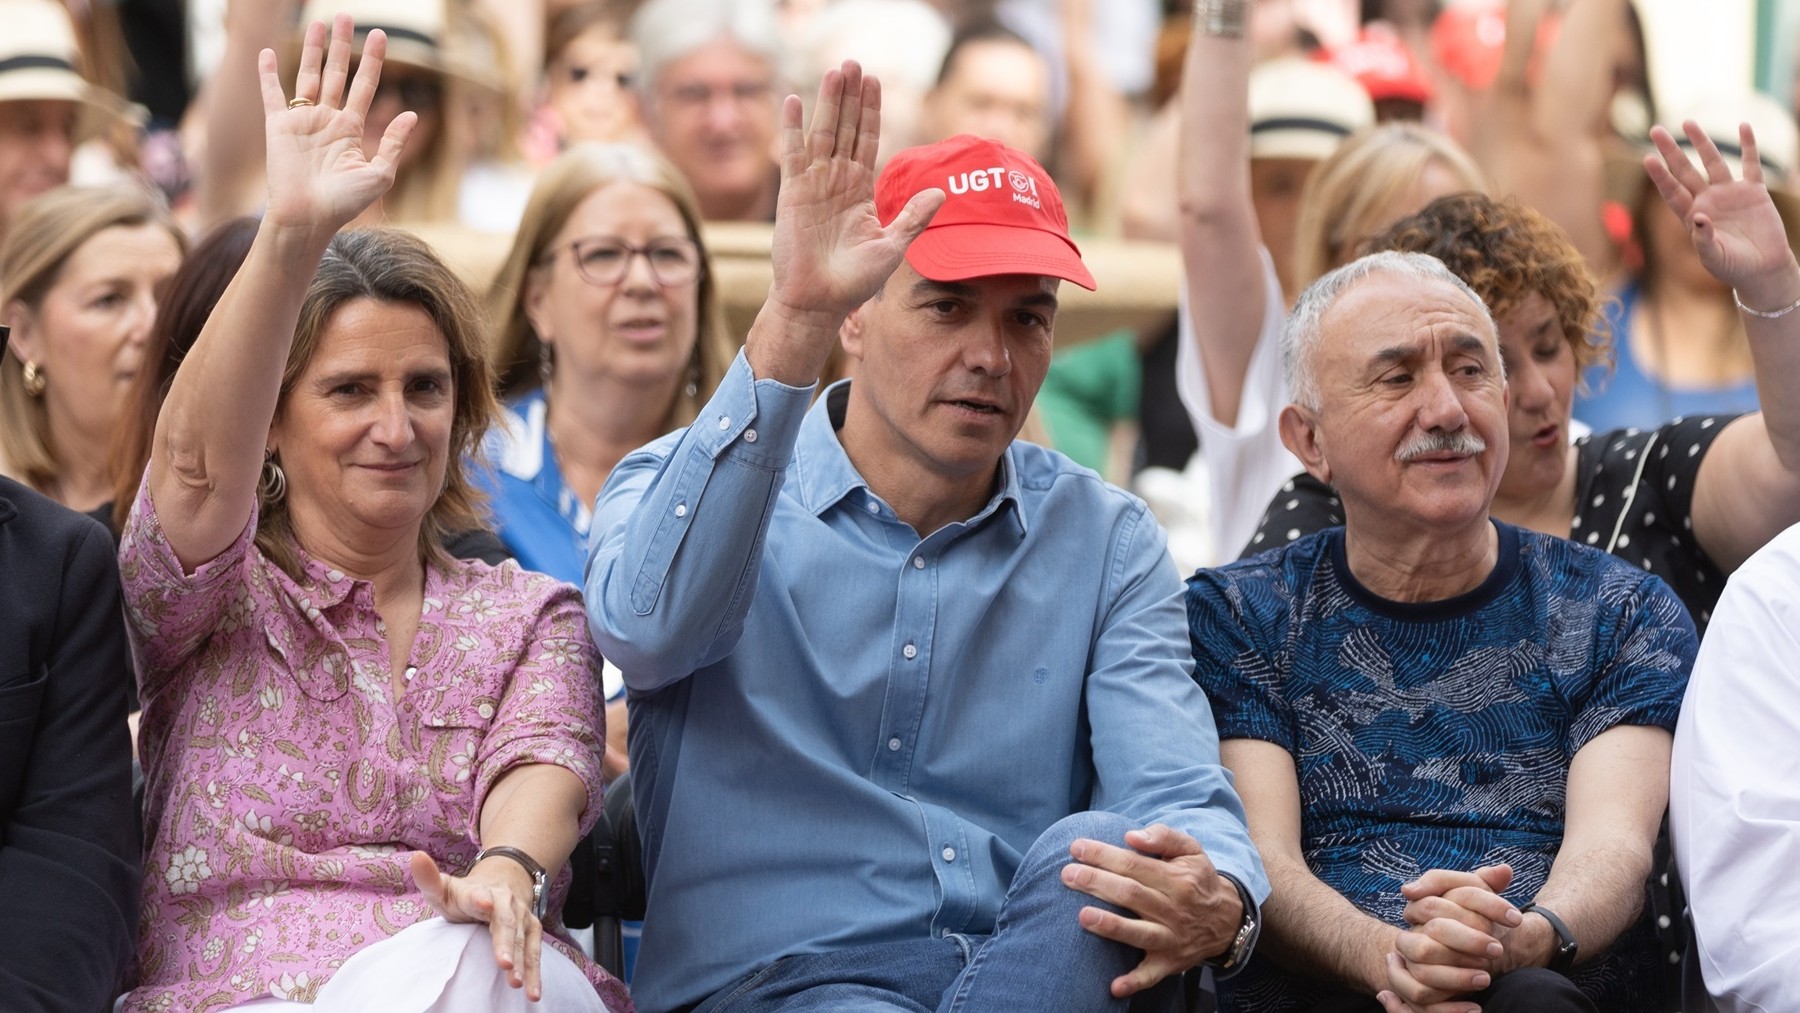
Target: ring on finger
(299, 101)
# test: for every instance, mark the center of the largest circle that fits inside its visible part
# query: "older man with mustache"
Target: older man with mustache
(1451, 735)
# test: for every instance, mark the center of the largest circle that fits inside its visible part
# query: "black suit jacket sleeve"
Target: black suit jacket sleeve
(69, 839)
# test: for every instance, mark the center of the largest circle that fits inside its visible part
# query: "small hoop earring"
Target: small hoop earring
(271, 487)
(34, 379)
(692, 388)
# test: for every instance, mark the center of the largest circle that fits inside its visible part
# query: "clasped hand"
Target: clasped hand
(1185, 911)
(1456, 941)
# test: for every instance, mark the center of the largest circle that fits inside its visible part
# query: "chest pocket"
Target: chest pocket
(452, 735)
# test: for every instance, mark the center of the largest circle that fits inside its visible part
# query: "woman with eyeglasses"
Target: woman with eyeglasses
(608, 334)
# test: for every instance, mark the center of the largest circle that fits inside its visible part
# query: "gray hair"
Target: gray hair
(667, 30)
(1300, 341)
(865, 31)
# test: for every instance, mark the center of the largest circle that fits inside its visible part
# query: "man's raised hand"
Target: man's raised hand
(830, 252)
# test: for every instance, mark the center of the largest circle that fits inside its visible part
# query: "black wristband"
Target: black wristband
(1563, 957)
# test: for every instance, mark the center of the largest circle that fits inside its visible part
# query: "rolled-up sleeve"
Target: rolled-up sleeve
(170, 612)
(550, 711)
(679, 530)
(1155, 748)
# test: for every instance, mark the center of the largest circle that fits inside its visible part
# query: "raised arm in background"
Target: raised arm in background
(213, 429)
(1545, 139)
(1748, 487)
(231, 110)
(1219, 239)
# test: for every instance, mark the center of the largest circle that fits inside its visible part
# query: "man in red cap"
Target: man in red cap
(913, 725)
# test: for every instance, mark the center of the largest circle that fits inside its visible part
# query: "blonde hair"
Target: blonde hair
(391, 266)
(42, 237)
(561, 187)
(1352, 193)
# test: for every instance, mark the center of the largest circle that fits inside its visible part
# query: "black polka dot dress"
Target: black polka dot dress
(1634, 493)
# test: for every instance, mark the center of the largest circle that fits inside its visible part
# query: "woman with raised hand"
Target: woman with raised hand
(344, 729)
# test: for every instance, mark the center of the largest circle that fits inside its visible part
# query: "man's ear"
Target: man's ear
(1300, 433)
(850, 333)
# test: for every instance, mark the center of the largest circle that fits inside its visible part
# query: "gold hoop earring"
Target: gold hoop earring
(34, 379)
(271, 486)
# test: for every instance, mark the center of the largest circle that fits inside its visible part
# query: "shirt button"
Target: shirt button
(724, 423)
(681, 509)
(909, 652)
(949, 853)
(874, 507)
(918, 562)
(894, 744)
(410, 672)
(749, 436)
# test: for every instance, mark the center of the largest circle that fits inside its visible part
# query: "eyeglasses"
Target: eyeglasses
(605, 260)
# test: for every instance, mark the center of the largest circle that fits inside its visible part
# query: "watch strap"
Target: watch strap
(1563, 957)
(539, 878)
(1237, 953)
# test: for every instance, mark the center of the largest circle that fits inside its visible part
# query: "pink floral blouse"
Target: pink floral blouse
(287, 788)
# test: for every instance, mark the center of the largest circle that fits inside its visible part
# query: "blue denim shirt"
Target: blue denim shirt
(844, 734)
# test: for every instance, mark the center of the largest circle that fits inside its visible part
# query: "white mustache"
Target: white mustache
(1460, 441)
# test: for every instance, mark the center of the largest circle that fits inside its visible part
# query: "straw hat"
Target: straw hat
(419, 34)
(1777, 148)
(1301, 108)
(39, 59)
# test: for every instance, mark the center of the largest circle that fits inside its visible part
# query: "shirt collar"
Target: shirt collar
(825, 476)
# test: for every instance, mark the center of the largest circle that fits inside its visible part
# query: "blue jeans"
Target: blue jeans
(1037, 958)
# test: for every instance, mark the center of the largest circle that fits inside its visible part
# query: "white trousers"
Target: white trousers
(439, 967)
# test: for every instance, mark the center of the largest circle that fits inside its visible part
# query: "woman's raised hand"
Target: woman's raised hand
(1732, 222)
(319, 175)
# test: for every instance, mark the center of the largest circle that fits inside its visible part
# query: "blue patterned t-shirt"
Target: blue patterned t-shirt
(1438, 734)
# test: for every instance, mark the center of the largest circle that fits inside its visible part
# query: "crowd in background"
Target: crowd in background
(589, 151)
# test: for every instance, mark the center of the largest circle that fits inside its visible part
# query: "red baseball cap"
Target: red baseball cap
(1383, 65)
(1002, 213)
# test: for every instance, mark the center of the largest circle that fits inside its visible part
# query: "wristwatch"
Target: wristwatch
(539, 879)
(1238, 953)
(1563, 957)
